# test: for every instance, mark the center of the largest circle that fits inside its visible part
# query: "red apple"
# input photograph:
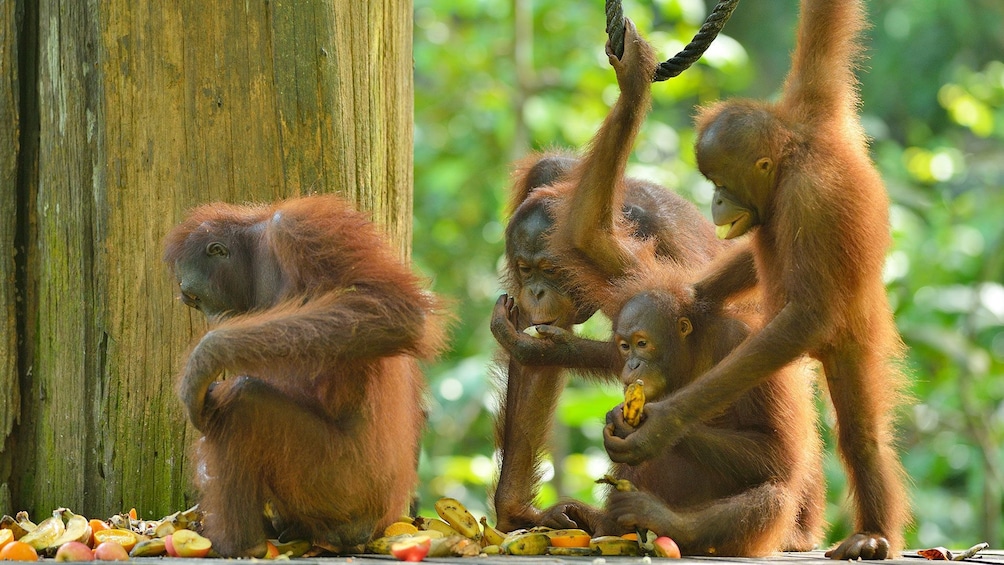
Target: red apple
(186, 543)
(666, 547)
(414, 549)
(74, 551)
(110, 551)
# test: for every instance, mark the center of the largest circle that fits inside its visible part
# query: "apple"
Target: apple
(110, 551)
(414, 549)
(666, 547)
(74, 551)
(186, 543)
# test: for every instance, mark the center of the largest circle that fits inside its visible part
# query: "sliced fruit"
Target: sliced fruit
(569, 538)
(187, 543)
(398, 528)
(413, 549)
(126, 538)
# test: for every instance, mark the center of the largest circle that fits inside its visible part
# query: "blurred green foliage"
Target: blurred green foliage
(495, 79)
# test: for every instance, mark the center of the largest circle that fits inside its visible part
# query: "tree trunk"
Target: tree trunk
(131, 113)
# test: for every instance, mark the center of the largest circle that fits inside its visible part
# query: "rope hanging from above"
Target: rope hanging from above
(685, 58)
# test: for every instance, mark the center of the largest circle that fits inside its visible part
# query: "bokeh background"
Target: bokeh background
(495, 79)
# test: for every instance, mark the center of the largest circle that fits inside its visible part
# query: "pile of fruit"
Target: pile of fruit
(71, 537)
(459, 534)
(456, 533)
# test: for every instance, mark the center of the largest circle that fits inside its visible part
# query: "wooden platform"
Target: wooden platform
(995, 556)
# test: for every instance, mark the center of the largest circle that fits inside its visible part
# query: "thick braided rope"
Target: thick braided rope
(685, 58)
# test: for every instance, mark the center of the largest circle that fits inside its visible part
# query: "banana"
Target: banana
(570, 551)
(622, 485)
(532, 543)
(569, 538)
(492, 536)
(491, 550)
(149, 548)
(436, 525)
(293, 549)
(382, 545)
(634, 403)
(48, 531)
(614, 545)
(458, 517)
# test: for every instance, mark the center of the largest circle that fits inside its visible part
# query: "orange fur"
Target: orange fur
(801, 167)
(325, 418)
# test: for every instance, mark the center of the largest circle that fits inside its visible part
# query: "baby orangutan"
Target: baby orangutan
(747, 482)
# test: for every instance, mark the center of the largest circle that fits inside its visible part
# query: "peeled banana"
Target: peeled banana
(634, 403)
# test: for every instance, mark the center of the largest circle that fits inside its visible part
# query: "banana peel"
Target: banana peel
(623, 485)
(570, 551)
(47, 532)
(491, 535)
(614, 545)
(458, 517)
(149, 548)
(530, 543)
(382, 545)
(634, 403)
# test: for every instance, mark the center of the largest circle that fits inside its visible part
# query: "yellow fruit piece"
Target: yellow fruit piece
(532, 543)
(126, 538)
(614, 545)
(6, 536)
(634, 402)
(398, 528)
(569, 538)
(458, 517)
(492, 536)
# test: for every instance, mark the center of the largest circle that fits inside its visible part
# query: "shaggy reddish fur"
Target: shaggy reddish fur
(801, 166)
(323, 422)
